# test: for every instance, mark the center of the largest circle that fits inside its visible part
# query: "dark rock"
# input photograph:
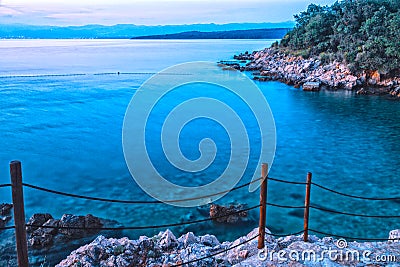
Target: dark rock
(5, 209)
(75, 222)
(52, 224)
(37, 219)
(40, 241)
(229, 214)
(311, 86)
(209, 240)
(4, 220)
(92, 222)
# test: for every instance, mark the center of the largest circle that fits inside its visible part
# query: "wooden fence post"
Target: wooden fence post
(307, 206)
(263, 205)
(19, 213)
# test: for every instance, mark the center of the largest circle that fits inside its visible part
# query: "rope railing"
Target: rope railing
(285, 181)
(285, 206)
(20, 223)
(233, 247)
(7, 227)
(354, 196)
(196, 198)
(146, 226)
(135, 201)
(283, 235)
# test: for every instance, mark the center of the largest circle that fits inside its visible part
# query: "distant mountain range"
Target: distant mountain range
(236, 34)
(124, 30)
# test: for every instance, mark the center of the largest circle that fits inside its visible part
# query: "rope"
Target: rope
(285, 181)
(7, 227)
(283, 235)
(216, 253)
(352, 238)
(285, 206)
(143, 227)
(134, 201)
(238, 245)
(5, 185)
(353, 196)
(89, 198)
(354, 214)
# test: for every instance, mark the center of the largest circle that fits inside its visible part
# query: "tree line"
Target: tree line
(365, 34)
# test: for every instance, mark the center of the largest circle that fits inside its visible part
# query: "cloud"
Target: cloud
(80, 12)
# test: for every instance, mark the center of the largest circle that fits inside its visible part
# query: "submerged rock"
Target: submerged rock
(229, 214)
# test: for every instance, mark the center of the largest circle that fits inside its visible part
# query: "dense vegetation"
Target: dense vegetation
(365, 34)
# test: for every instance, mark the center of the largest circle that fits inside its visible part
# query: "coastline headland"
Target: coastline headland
(273, 64)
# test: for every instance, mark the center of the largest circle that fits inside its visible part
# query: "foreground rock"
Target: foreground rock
(165, 249)
(312, 74)
(48, 243)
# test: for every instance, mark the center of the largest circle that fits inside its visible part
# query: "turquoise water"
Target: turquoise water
(66, 130)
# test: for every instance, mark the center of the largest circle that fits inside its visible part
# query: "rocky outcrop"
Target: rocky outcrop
(165, 249)
(5, 214)
(311, 86)
(46, 228)
(230, 214)
(273, 64)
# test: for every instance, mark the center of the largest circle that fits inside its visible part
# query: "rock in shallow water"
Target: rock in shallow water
(229, 214)
(44, 228)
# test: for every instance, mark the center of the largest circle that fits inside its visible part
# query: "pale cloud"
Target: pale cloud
(75, 12)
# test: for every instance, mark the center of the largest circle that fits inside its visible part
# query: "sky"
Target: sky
(142, 12)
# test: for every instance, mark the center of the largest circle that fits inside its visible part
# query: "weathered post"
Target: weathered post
(263, 205)
(307, 206)
(19, 213)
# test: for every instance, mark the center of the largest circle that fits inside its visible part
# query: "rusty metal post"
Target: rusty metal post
(307, 206)
(19, 213)
(263, 205)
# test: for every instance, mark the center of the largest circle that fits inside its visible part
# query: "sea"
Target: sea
(62, 108)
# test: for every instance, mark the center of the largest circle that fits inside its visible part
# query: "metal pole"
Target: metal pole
(19, 213)
(307, 206)
(263, 205)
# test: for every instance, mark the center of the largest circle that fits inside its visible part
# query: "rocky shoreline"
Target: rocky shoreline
(165, 250)
(312, 74)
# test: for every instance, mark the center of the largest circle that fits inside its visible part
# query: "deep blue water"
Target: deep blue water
(67, 131)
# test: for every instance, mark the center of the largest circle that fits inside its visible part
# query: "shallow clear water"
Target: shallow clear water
(66, 130)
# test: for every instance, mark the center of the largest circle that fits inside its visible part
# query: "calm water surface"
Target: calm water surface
(66, 130)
